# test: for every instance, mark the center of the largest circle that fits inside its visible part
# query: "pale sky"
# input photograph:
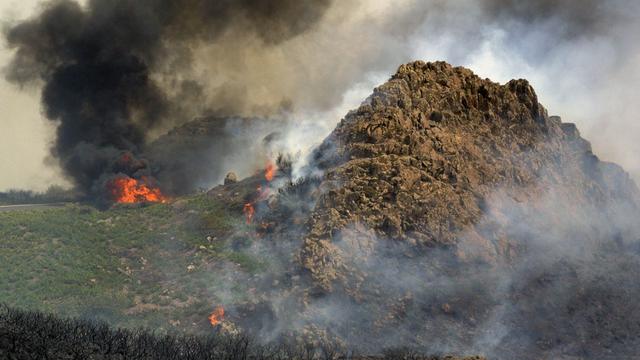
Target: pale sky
(24, 133)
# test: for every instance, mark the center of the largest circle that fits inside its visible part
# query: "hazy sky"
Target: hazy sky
(582, 58)
(24, 134)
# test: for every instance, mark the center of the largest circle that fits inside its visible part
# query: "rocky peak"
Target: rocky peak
(420, 159)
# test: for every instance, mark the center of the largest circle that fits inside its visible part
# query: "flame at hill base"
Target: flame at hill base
(269, 171)
(216, 316)
(248, 211)
(262, 192)
(127, 190)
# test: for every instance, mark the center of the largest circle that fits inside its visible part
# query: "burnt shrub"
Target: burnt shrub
(35, 335)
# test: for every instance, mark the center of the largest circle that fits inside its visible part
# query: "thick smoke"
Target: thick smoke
(302, 62)
(100, 65)
(573, 18)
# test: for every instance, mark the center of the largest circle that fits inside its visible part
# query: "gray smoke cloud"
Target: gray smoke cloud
(105, 68)
(308, 63)
(551, 43)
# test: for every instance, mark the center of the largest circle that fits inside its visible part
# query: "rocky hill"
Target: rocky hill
(453, 214)
(423, 159)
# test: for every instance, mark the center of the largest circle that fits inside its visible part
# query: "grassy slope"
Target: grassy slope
(127, 265)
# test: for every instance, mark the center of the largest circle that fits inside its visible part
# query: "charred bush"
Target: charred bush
(297, 197)
(35, 335)
(301, 188)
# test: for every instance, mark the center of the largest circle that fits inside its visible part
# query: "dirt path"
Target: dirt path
(29, 206)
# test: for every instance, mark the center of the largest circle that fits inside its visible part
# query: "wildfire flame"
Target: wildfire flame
(270, 171)
(262, 193)
(128, 190)
(216, 316)
(248, 211)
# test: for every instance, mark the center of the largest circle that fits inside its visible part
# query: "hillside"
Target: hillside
(130, 265)
(447, 214)
(453, 211)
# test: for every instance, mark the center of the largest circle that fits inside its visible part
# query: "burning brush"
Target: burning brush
(217, 316)
(262, 193)
(126, 190)
(248, 210)
(270, 171)
(132, 181)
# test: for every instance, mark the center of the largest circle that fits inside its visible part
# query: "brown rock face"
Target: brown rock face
(421, 159)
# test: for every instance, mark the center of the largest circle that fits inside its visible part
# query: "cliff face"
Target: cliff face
(423, 159)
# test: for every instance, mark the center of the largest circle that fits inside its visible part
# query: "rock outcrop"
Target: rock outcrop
(421, 159)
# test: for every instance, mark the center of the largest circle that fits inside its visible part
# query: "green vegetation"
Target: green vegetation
(129, 265)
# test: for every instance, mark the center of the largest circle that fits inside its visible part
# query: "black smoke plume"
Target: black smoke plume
(101, 68)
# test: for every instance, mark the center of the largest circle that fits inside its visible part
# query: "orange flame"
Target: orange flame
(248, 211)
(270, 171)
(216, 316)
(128, 190)
(262, 193)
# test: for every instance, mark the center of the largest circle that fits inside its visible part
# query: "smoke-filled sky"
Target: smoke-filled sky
(313, 61)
